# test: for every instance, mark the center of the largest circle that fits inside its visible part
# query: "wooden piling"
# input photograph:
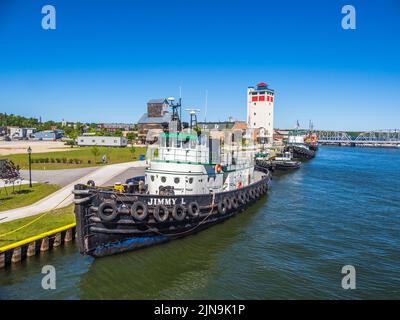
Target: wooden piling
(31, 249)
(68, 235)
(57, 240)
(2, 260)
(45, 244)
(16, 255)
(17, 251)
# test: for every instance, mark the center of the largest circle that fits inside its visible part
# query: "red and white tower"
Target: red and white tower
(260, 109)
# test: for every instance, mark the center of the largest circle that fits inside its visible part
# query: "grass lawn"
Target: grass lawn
(23, 195)
(77, 157)
(54, 219)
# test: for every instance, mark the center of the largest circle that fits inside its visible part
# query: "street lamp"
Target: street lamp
(30, 166)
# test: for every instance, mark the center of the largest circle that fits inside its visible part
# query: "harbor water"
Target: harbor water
(341, 208)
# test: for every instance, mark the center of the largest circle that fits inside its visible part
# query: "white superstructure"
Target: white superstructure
(187, 163)
(260, 109)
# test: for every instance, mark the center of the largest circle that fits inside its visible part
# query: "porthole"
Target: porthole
(152, 178)
(163, 179)
(190, 180)
(176, 180)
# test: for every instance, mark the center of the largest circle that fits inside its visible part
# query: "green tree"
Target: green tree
(95, 151)
(132, 149)
(131, 136)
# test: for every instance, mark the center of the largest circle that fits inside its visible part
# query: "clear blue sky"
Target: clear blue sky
(107, 58)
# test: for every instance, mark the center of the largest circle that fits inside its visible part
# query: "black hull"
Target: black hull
(271, 165)
(300, 152)
(285, 166)
(97, 237)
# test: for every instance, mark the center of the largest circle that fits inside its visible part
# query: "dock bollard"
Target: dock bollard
(16, 255)
(45, 244)
(57, 240)
(68, 235)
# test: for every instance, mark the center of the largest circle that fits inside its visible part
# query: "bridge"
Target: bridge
(379, 138)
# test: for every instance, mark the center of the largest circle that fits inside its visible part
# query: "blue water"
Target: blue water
(341, 208)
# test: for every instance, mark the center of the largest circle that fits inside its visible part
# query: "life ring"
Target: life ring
(91, 183)
(139, 211)
(193, 209)
(239, 185)
(107, 211)
(242, 198)
(161, 213)
(179, 212)
(234, 202)
(218, 168)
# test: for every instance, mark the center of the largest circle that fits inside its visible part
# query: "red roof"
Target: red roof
(262, 84)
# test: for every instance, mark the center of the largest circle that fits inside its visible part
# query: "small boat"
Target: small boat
(285, 162)
(193, 181)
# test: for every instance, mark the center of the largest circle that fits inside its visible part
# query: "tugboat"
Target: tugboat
(298, 146)
(285, 162)
(193, 181)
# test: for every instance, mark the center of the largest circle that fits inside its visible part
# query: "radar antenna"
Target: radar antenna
(193, 116)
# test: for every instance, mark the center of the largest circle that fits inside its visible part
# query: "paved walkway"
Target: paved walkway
(64, 197)
(61, 177)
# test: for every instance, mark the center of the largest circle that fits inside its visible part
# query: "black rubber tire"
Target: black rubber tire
(136, 208)
(161, 213)
(247, 196)
(179, 212)
(228, 203)
(91, 183)
(242, 198)
(234, 202)
(256, 192)
(194, 209)
(221, 207)
(104, 211)
(252, 194)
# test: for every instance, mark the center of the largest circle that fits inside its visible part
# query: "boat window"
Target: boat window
(190, 180)
(152, 178)
(163, 179)
(176, 180)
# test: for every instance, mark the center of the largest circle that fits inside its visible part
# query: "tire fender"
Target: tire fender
(107, 211)
(139, 211)
(194, 209)
(179, 212)
(161, 213)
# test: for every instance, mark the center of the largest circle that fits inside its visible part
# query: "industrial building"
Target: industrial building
(48, 135)
(102, 141)
(156, 117)
(20, 133)
(112, 127)
(260, 111)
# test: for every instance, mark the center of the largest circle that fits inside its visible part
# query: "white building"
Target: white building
(260, 109)
(102, 141)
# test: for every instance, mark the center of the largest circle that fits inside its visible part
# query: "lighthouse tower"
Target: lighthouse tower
(260, 110)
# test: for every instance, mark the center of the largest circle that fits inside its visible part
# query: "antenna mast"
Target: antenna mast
(206, 106)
